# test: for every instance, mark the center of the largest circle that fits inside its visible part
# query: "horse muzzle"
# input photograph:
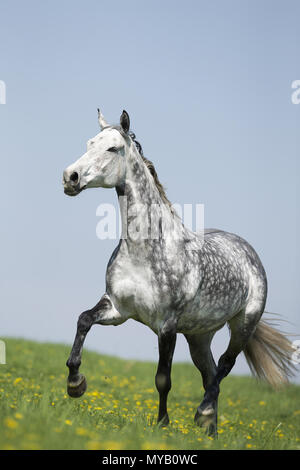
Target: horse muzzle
(71, 183)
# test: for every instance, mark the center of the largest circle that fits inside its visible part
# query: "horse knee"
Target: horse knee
(84, 322)
(162, 382)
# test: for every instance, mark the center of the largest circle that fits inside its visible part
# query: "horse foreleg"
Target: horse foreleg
(104, 313)
(166, 344)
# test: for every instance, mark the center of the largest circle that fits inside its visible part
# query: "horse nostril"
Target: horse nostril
(74, 177)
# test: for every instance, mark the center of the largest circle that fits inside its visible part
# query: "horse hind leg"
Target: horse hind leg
(202, 357)
(242, 327)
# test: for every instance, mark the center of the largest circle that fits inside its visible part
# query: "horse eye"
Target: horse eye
(112, 149)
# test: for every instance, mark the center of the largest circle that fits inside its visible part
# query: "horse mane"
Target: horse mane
(152, 171)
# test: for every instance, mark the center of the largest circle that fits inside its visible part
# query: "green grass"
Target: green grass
(119, 408)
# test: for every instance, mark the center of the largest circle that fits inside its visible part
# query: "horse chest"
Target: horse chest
(131, 286)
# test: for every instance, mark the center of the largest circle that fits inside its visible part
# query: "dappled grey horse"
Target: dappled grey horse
(173, 280)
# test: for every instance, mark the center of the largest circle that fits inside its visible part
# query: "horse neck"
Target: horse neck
(141, 203)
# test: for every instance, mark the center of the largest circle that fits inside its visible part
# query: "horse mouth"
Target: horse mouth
(73, 191)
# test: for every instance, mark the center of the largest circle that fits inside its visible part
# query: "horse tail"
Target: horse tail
(269, 354)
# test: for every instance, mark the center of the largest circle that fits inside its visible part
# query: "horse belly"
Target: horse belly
(210, 311)
(202, 321)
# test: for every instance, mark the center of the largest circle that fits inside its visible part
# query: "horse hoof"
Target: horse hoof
(77, 389)
(163, 422)
(206, 418)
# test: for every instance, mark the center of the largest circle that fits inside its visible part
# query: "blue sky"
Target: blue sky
(208, 89)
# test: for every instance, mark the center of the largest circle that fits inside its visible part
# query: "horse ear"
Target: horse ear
(101, 120)
(125, 121)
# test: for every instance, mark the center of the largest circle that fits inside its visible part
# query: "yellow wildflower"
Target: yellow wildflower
(17, 380)
(81, 431)
(113, 445)
(10, 423)
(93, 445)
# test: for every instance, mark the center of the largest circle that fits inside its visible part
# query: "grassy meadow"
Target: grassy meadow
(119, 409)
